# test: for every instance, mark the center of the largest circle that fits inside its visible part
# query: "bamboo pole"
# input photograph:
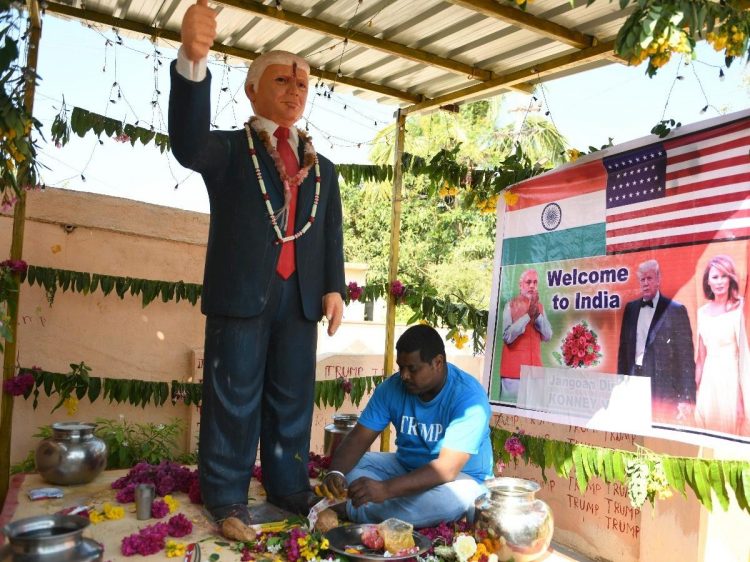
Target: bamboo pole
(16, 252)
(390, 318)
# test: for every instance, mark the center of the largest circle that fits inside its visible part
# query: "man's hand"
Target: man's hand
(333, 486)
(364, 490)
(333, 310)
(198, 31)
(518, 307)
(534, 307)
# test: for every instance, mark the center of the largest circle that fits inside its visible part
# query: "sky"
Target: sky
(88, 68)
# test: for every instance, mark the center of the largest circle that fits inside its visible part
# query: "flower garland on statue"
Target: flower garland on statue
(310, 158)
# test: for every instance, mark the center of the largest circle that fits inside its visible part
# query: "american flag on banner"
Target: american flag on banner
(691, 189)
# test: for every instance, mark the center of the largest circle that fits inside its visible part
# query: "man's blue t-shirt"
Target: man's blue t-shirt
(457, 418)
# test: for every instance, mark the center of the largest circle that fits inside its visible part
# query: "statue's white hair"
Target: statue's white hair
(259, 65)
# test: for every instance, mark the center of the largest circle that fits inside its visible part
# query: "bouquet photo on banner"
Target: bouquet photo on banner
(622, 285)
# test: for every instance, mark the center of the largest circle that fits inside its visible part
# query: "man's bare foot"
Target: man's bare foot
(234, 529)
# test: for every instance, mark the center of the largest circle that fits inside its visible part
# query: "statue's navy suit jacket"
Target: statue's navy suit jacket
(668, 358)
(242, 254)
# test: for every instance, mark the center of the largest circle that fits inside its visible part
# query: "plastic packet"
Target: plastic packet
(44, 493)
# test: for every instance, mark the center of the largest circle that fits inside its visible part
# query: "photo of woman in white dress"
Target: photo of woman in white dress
(722, 371)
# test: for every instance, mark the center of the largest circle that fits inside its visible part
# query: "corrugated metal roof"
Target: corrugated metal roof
(419, 54)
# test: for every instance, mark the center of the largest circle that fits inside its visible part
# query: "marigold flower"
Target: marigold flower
(172, 503)
(460, 340)
(71, 405)
(480, 554)
(510, 198)
(175, 549)
(96, 517)
(112, 512)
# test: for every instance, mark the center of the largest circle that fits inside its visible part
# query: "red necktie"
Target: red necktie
(285, 267)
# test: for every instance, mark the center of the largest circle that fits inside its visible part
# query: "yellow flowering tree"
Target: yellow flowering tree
(658, 29)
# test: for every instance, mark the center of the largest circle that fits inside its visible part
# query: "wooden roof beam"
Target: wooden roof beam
(600, 51)
(389, 47)
(90, 15)
(525, 20)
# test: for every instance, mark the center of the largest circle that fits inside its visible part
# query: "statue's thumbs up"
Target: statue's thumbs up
(198, 30)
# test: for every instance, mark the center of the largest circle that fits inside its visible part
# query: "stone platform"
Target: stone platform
(110, 533)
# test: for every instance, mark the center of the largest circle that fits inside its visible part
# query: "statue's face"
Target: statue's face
(281, 94)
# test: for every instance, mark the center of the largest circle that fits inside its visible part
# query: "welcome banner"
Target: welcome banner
(628, 271)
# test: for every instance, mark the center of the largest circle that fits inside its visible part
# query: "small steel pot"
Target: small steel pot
(73, 455)
(49, 538)
(518, 525)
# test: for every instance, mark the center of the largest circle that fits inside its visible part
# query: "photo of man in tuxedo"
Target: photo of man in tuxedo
(656, 341)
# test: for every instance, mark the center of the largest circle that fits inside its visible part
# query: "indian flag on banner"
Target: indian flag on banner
(556, 216)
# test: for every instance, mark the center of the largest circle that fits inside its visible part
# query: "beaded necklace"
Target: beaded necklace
(310, 158)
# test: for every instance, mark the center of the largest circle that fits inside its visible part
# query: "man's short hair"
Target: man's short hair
(424, 339)
(528, 272)
(649, 265)
(259, 65)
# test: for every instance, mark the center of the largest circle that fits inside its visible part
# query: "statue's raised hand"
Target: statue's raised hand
(198, 30)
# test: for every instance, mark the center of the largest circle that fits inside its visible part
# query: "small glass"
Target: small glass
(144, 497)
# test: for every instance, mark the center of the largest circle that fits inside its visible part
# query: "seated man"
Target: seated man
(441, 416)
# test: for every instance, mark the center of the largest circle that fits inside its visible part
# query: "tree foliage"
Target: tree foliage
(657, 29)
(447, 233)
(18, 168)
(434, 237)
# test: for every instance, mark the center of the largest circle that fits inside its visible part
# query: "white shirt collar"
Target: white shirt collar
(270, 127)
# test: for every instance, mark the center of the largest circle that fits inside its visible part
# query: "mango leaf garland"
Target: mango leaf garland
(83, 122)
(79, 383)
(648, 475)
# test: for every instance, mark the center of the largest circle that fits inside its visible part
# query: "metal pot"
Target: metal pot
(49, 538)
(73, 455)
(518, 525)
(336, 431)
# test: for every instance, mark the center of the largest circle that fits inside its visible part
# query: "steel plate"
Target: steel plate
(351, 535)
